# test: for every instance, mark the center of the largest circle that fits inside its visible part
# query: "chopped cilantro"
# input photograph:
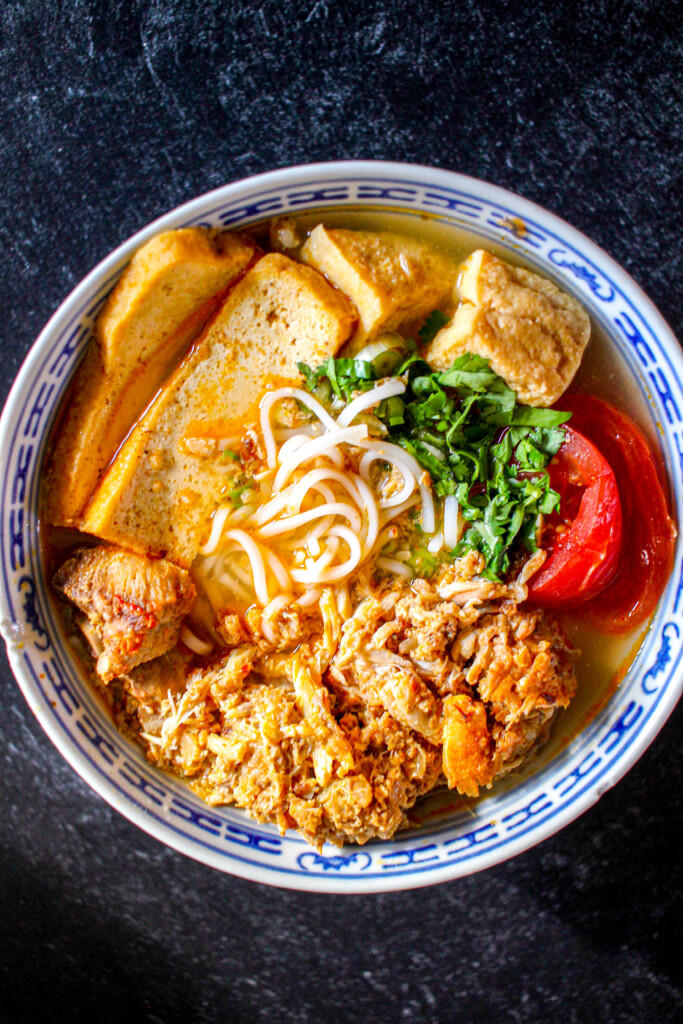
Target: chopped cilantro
(338, 378)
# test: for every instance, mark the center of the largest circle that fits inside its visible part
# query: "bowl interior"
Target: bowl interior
(456, 837)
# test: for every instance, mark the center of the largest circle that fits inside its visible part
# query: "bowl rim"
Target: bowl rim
(111, 265)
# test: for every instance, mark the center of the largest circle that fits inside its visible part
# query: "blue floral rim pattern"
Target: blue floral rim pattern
(504, 823)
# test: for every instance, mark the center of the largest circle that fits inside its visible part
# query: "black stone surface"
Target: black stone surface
(114, 112)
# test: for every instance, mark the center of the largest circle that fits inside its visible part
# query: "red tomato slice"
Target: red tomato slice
(649, 533)
(584, 553)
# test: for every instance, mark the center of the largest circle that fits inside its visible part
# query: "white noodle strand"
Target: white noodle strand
(332, 508)
(317, 446)
(368, 399)
(300, 395)
(256, 559)
(193, 642)
(450, 521)
(219, 520)
(392, 565)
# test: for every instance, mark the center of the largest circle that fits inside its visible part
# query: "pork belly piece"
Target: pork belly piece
(161, 302)
(392, 279)
(533, 333)
(134, 605)
(159, 494)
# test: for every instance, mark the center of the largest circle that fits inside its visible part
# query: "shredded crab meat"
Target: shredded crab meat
(335, 715)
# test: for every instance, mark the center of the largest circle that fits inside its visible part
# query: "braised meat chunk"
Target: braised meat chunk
(134, 605)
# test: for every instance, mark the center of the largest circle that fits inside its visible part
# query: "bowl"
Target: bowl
(452, 841)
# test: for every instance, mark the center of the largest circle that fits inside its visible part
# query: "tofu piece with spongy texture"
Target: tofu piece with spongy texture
(158, 495)
(162, 300)
(533, 334)
(391, 279)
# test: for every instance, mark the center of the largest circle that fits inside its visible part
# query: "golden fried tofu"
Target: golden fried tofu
(391, 279)
(160, 492)
(159, 306)
(533, 333)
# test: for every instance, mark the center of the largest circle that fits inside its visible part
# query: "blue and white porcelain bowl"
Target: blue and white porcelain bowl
(451, 842)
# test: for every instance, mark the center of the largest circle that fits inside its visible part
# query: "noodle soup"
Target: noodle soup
(350, 632)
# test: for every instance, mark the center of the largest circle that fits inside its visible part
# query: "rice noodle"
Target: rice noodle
(334, 508)
(337, 572)
(409, 480)
(219, 520)
(370, 505)
(284, 433)
(193, 642)
(400, 509)
(428, 513)
(368, 399)
(255, 557)
(317, 446)
(314, 476)
(300, 395)
(450, 521)
(306, 491)
(292, 444)
(325, 558)
(435, 544)
(240, 515)
(278, 570)
(392, 565)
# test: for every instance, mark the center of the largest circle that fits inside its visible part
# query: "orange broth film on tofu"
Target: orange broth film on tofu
(351, 517)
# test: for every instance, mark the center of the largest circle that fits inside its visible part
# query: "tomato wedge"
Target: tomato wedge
(649, 534)
(584, 549)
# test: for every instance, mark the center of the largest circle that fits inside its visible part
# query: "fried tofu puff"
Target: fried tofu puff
(533, 333)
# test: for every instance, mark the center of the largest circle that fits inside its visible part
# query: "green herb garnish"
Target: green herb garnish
(235, 496)
(338, 378)
(465, 427)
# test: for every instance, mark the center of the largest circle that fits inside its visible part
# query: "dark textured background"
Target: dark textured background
(114, 112)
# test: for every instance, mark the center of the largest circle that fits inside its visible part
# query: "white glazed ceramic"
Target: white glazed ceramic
(456, 844)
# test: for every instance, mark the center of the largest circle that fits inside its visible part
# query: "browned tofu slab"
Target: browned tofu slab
(533, 333)
(391, 279)
(159, 306)
(159, 494)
